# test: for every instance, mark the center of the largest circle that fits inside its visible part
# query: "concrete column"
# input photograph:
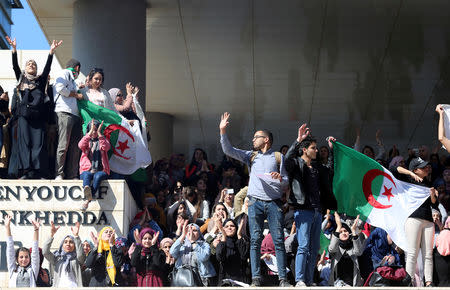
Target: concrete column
(111, 34)
(161, 132)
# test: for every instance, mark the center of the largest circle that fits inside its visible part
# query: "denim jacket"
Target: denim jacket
(202, 252)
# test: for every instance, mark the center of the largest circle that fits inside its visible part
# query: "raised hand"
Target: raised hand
(330, 140)
(355, 225)
(224, 122)
(7, 221)
(136, 92)
(303, 132)
(91, 131)
(75, 230)
(137, 238)
(184, 229)
(242, 224)
(36, 224)
(94, 239)
(439, 109)
(129, 88)
(55, 45)
(131, 250)
(337, 218)
(378, 137)
(13, 43)
(155, 238)
(53, 229)
(99, 130)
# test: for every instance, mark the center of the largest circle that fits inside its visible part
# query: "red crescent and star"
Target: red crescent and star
(367, 188)
(122, 145)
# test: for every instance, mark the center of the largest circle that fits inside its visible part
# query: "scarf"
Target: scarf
(65, 257)
(95, 156)
(113, 93)
(230, 242)
(188, 252)
(143, 232)
(26, 80)
(103, 246)
(347, 244)
(166, 240)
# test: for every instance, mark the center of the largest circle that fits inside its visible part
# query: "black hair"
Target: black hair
(205, 157)
(1, 90)
(22, 249)
(96, 124)
(94, 71)
(306, 143)
(268, 134)
(73, 63)
(222, 204)
(370, 148)
(284, 146)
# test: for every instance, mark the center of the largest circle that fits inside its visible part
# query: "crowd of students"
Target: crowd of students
(258, 218)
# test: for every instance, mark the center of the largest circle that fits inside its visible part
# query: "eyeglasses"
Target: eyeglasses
(119, 95)
(259, 136)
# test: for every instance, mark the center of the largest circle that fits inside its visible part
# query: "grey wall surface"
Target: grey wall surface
(337, 65)
(110, 34)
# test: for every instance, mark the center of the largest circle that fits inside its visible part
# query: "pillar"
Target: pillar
(111, 34)
(161, 132)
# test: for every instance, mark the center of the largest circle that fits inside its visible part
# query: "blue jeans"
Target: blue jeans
(258, 211)
(93, 179)
(308, 223)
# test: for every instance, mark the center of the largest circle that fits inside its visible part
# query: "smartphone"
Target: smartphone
(230, 191)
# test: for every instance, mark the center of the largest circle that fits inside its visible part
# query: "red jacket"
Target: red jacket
(84, 145)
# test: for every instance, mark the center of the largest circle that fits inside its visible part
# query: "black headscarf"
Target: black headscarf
(348, 244)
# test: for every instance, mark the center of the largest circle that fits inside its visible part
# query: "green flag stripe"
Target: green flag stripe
(350, 166)
(88, 110)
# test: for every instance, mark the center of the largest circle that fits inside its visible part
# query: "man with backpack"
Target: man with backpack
(311, 192)
(265, 190)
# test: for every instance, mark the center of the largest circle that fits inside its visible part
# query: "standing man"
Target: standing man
(310, 193)
(66, 95)
(265, 189)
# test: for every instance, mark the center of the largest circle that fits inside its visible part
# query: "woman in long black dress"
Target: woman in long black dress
(28, 108)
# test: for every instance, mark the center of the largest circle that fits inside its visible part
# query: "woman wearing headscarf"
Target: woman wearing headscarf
(28, 107)
(191, 249)
(125, 106)
(66, 262)
(105, 261)
(148, 259)
(232, 251)
(345, 248)
(88, 246)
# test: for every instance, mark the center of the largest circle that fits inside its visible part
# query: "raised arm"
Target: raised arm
(15, 63)
(227, 148)
(441, 131)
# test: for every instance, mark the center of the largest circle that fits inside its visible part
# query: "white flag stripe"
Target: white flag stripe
(446, 121)
(406, 199)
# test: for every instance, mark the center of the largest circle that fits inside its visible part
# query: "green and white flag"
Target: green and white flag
(128, 149)
(363, 187)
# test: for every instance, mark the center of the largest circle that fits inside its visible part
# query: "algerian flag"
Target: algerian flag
(363, 187)
(128, 151)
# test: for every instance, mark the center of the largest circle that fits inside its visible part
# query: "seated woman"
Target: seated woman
(105, 260)
(148, 259)
(232, 251)
(344, 251)
(191, 249)
(65, 263)
(22, 270)
(94, 163)
(380, 249)
(165, 245)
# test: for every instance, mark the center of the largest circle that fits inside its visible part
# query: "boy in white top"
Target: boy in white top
(66, 94)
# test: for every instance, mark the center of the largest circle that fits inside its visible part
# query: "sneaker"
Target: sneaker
(59, 177)
(87, 192)
(256, 282)
(85, 206)
(300, 283)
(284, 283)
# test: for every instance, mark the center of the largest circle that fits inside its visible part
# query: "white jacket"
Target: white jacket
(33, 271)
(64, 84)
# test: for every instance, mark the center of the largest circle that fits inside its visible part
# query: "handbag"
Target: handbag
(186, 276)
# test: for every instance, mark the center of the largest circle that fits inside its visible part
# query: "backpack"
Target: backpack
(277, 158)
(388, 276)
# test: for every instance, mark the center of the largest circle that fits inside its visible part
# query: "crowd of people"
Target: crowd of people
(261, 217)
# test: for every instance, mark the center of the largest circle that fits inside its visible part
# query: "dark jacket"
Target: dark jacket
(153, 261)
(97, 263)
(232, 256)
(295, 166)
